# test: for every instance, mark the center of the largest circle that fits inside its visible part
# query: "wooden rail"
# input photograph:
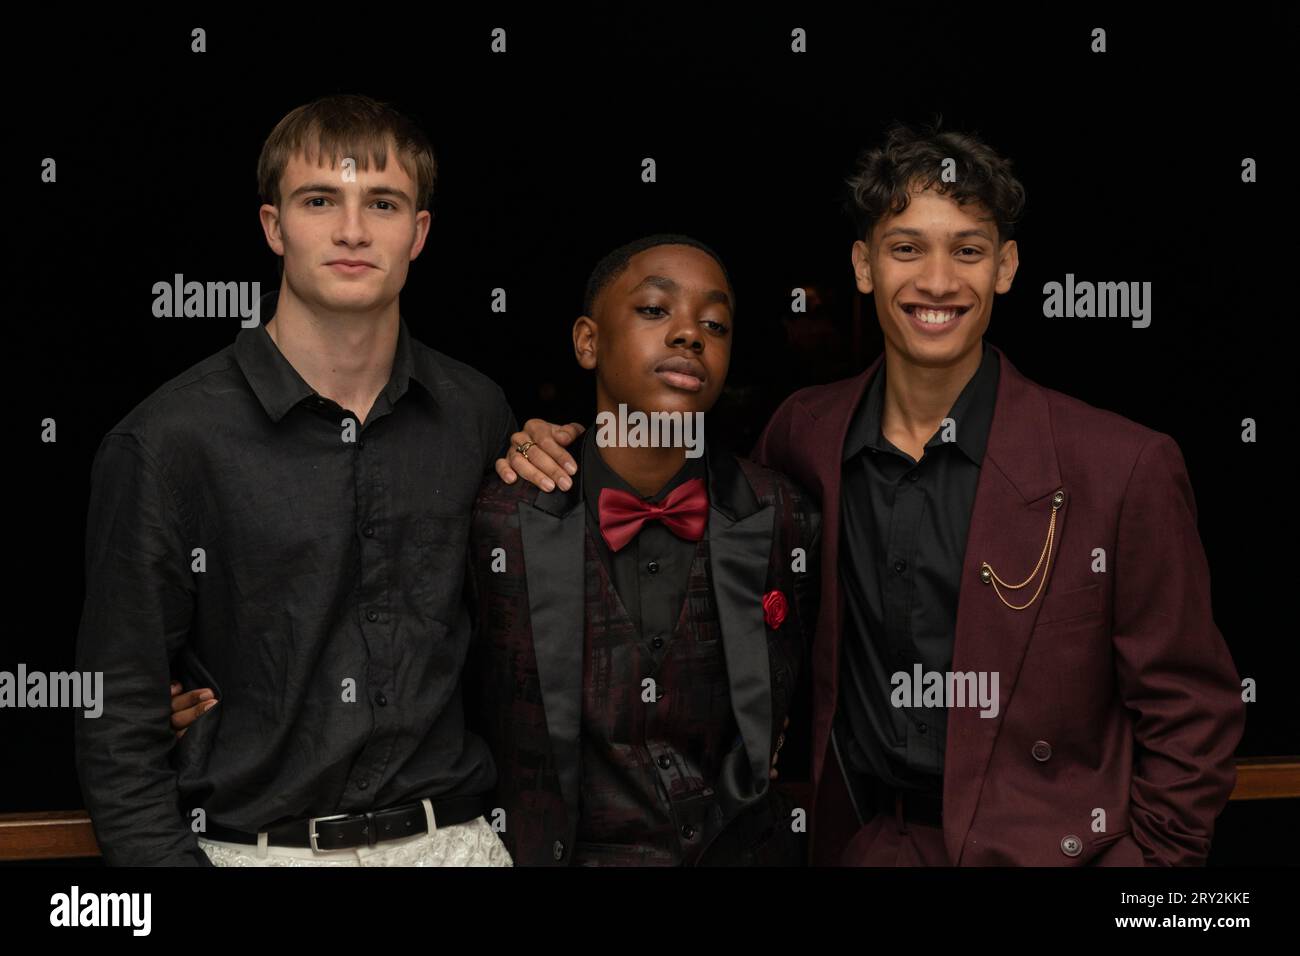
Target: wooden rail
(66, 834)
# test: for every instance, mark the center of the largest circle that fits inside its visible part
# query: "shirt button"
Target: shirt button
(664, 762)
(688, 831)
(380, 699)
(1041, 750)
(1071, 845)
(360, 444)
(372, 615)
(653, 567)
(657, 643)
(557, 850)
(900, 565)
(912, 476)
(363, 784)
(921, 728)
(368, 531)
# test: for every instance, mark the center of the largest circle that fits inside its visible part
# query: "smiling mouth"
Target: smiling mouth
(935, 315)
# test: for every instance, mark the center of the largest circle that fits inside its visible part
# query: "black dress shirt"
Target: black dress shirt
(237, 539)
(650, 571)
(904, 525)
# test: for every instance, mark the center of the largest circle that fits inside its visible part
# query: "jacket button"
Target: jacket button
(1071, 845)
(986, 575)
(664, 762)
(657, 643)
(688, 831)
(1042, 750)
(372, 615)
(653, 567)
(557, 850)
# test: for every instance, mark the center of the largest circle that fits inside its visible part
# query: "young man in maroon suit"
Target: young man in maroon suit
(1015, 660)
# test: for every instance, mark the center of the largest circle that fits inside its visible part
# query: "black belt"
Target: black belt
(915, 805)
(343, 830)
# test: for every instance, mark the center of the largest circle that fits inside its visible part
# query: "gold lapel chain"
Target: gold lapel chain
(989, 576)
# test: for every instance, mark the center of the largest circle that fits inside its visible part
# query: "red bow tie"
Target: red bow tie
(684, 512)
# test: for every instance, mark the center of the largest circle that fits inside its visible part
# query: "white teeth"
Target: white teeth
(932, 317)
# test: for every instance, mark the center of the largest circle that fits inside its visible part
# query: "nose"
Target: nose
(938, 277)
(350, 226)
(685, 333)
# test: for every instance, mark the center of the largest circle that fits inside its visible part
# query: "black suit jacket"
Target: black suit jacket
(525, 680)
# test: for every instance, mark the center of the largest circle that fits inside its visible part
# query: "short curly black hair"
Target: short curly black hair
(912, 159)
(615, 263)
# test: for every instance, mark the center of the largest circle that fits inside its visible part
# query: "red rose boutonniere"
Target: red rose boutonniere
(774, 608)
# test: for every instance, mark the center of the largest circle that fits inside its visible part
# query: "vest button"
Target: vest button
(657, 643)
(653, 567)
(1042, 751)
(664, 762)
(557, 851)
(1071, 845)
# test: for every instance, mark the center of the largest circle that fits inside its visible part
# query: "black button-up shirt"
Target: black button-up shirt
(243, 535)
(651, 570)
(904, 525)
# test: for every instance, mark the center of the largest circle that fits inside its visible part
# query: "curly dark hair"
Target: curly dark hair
(911, 159)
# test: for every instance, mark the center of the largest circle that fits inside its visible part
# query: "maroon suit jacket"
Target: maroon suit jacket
(1122, 674)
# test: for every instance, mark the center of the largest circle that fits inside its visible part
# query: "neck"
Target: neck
(345, 356)
(917, 397)
(645, 469)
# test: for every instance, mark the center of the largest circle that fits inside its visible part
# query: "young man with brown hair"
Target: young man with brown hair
(283, 524)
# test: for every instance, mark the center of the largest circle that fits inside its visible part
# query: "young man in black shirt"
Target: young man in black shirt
(283, 523)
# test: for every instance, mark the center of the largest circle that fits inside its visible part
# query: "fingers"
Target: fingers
(546, 465)
(187, 707)
(190, 698)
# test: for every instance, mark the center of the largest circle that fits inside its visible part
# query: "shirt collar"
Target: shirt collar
(279, 387)
(972, 412)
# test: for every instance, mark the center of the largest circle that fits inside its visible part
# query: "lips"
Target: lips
(351, 263)
(682, 372)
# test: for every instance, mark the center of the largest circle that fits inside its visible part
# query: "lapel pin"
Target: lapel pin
(989, 576)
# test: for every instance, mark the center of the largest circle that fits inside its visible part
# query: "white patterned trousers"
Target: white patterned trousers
(472, 843)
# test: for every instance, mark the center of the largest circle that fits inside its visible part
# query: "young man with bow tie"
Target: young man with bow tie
(641, 631)
(982, 527)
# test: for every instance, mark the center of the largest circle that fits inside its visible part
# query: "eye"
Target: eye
(653, 308)
(717, 326)
(906, 245)
(315, 199)
(386, 203)
(970, 248)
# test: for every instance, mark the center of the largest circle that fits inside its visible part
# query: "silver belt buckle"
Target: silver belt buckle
(311, 829)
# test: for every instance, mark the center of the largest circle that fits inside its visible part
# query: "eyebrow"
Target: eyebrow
(668, 285)
(331, 190)
(963, 234)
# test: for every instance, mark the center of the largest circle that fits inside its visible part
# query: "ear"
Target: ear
(422, 220)
(584, 341)
(862, 266)
(270, 216)
(1008, 263)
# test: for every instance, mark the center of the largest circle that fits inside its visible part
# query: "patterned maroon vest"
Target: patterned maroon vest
(648, 768)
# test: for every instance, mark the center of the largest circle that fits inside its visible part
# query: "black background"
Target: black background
(1131, 161)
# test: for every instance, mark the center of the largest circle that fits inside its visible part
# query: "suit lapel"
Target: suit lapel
(825, 422)
(553, 528)
(740, 546)
(1008, 528)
